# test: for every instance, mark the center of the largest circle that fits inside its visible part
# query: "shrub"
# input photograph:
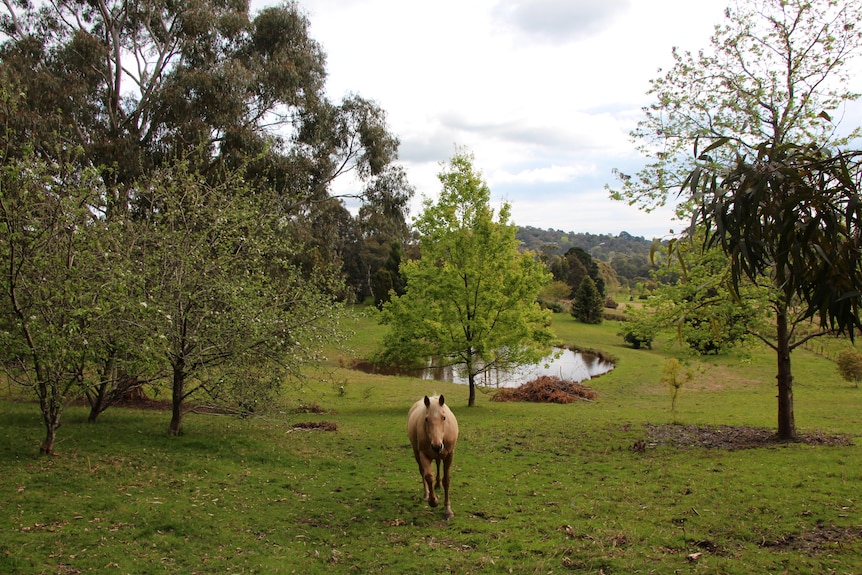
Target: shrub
(638, 333)
(850, 366)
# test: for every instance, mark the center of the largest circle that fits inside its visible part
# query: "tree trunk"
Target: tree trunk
(97, 397)
(786, 421)
(177, 394)
(47, 446)
(51, 419)
(471, 378)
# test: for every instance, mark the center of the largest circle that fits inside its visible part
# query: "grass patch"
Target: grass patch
(331, 485)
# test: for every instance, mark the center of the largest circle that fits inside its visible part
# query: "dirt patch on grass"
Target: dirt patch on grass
(315, 426)
(727, 437)
(547, 389)
(816, 540)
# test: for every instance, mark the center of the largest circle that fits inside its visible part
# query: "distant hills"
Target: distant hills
(604, 247)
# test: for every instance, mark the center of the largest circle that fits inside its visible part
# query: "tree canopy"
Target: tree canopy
(470, 298)
(775, 71)
(761, 110)
(790, 219)
(183, 155)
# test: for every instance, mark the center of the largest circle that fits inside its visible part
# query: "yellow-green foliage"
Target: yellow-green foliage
(675, 375)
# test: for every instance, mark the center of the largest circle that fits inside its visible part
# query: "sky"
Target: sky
(543, 93)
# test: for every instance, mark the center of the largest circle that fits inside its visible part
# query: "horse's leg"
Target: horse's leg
(447, 464)
(419, 462)
(427, 480)
(437, 482)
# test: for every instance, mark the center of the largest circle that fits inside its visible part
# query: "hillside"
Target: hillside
(600, 246)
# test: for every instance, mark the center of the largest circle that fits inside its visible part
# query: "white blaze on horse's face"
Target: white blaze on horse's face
(435, 423)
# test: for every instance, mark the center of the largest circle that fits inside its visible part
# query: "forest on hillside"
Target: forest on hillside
(628, 255)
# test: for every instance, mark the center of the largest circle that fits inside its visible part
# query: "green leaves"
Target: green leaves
(792, 216)
(471, 297)
(774, 70)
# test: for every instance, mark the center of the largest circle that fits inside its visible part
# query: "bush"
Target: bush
(554, 305)
(850, 366)
(638, 334)
(611, 316)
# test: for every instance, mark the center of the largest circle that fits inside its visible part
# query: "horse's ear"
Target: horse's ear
(441, 400)
(427, 402)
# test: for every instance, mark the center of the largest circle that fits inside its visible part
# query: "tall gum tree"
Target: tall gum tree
(790, 220)
(470, 298)
(139, 87)
(767, 96)
(139, 83)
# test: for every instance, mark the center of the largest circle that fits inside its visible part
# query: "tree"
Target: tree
(138, 84)
(588, 303)
(204, 96)
(775, 72)
(574, 266)
(696, 301)
(235, 314)
(388, 281)
(638, 330)
(790, 220)
(59, 284)
(471, 296)
(675, 375)
(765, 95)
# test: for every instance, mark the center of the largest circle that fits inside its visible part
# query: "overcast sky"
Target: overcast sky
(542, 92)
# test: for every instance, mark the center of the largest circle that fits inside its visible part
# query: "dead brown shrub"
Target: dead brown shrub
(547, 389)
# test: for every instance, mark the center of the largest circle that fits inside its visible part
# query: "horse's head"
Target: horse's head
(435, 423)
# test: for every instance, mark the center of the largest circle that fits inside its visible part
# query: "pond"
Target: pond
(563, 363)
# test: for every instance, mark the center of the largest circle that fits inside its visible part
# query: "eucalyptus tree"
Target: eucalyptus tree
(775, 71)
(137, 84)
(774, 193)
(471, 297)
(204, 96)
(790, 220)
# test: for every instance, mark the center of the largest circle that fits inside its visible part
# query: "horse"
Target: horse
(433, 432)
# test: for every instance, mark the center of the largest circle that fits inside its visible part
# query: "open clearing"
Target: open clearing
(327, 483)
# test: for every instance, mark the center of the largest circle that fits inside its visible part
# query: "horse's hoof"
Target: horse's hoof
(432, 502)
(449, 514)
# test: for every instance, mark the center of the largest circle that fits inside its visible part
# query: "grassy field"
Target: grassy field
(536, 488)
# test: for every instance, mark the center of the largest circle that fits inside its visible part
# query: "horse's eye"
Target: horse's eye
(444, 418)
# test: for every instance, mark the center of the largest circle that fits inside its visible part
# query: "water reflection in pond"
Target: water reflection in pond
(564, 363)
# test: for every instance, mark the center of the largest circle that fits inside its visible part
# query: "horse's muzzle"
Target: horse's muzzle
(437, 448)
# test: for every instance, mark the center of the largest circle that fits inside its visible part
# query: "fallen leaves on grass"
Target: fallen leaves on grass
(546, 389)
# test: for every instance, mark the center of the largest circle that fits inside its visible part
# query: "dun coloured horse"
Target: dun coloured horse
(433, 432)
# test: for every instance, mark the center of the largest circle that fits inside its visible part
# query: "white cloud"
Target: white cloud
(549, 174)
(543, 92)
(557, 20)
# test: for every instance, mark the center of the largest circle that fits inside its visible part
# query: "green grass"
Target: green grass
(535, 488)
